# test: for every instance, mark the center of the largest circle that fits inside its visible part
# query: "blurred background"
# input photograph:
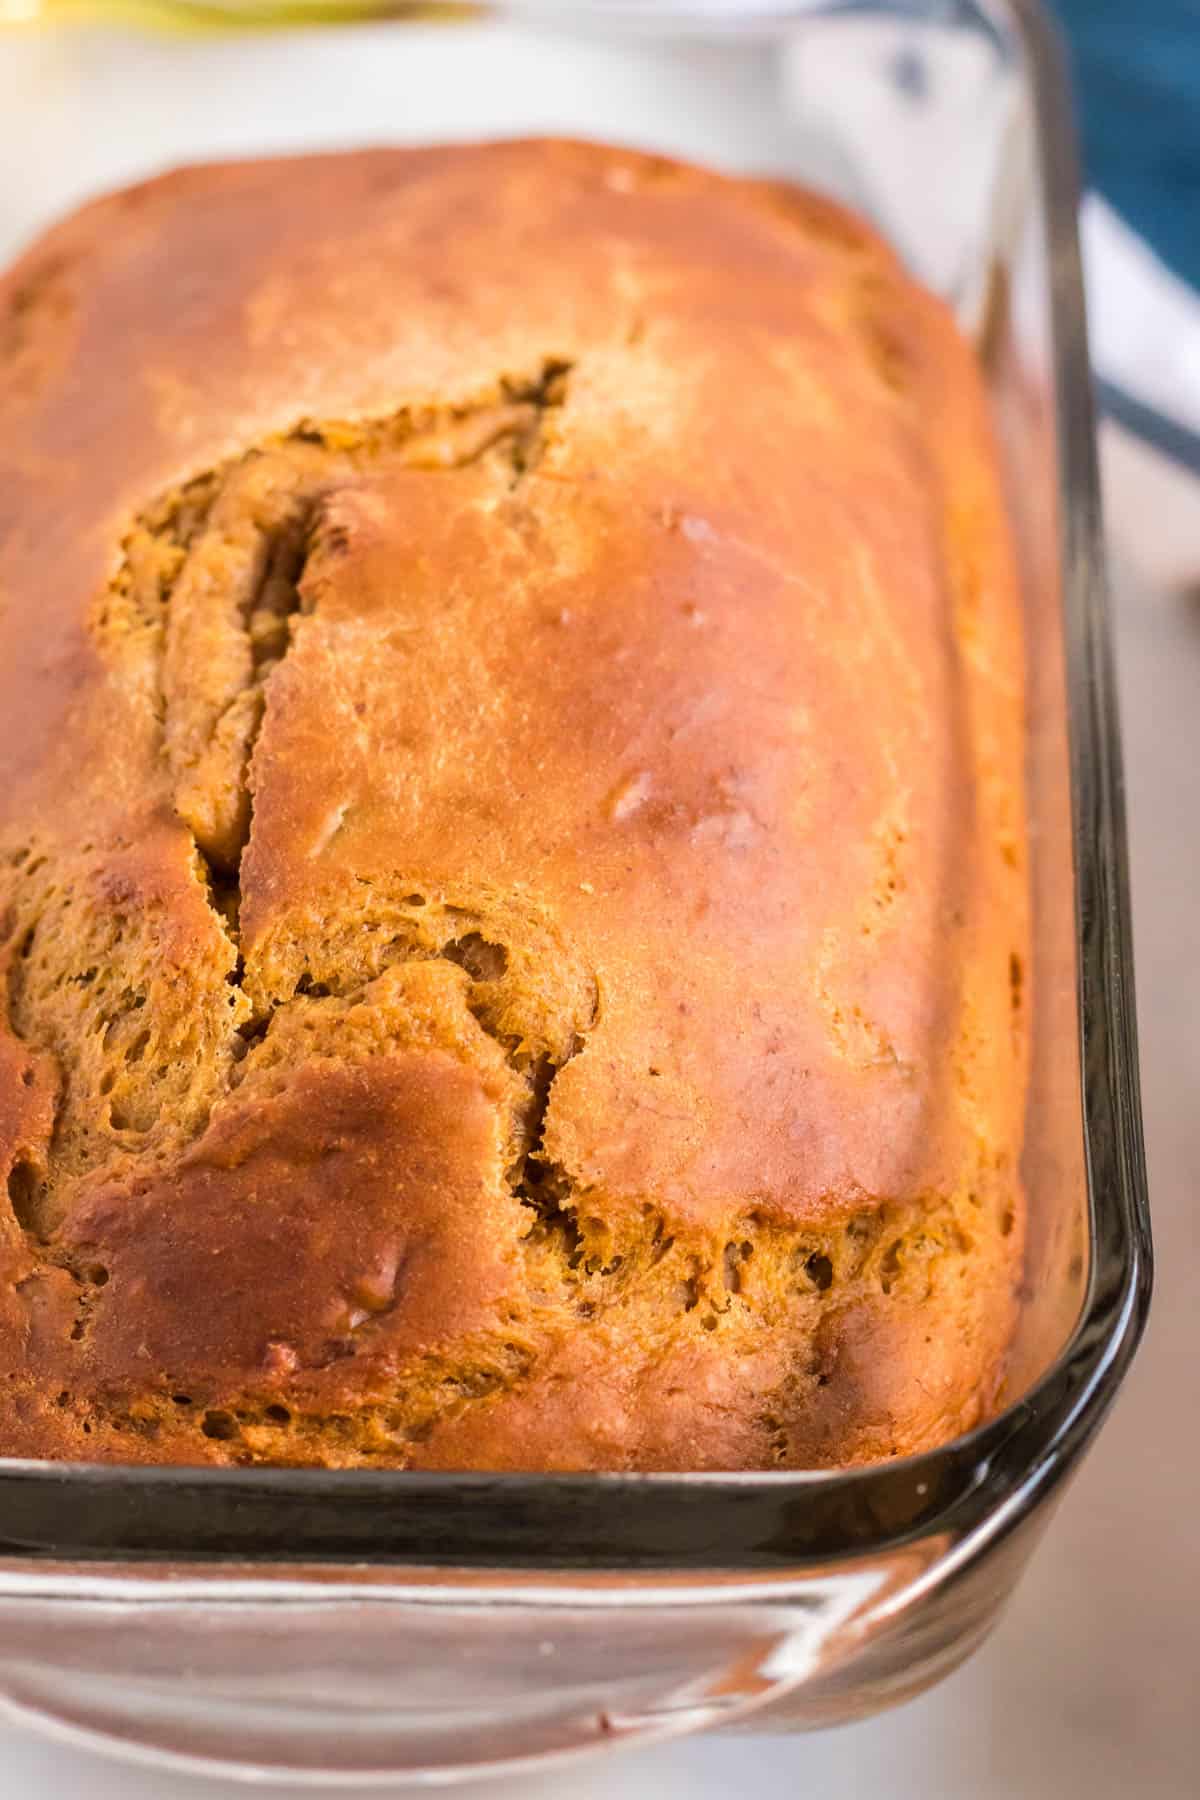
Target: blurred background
(1090, 1689)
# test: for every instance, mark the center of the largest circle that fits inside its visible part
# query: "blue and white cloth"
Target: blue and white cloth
(1136, 67)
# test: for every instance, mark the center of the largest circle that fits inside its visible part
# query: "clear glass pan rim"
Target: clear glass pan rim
(978, 1487)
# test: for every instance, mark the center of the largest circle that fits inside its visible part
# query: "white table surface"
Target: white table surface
(1090, 1688)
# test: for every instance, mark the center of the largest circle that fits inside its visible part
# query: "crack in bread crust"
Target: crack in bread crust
(211, 574)
(209, 587)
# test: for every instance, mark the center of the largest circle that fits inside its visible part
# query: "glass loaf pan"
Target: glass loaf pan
(365, 1627)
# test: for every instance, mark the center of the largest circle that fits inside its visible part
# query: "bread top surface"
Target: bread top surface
(511, 760)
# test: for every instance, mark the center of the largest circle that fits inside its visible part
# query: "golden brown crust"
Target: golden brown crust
(513, 881)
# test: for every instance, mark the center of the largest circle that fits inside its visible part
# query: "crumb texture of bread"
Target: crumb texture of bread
(513, 917)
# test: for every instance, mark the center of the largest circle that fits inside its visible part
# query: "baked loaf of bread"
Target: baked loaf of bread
(511, 835)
